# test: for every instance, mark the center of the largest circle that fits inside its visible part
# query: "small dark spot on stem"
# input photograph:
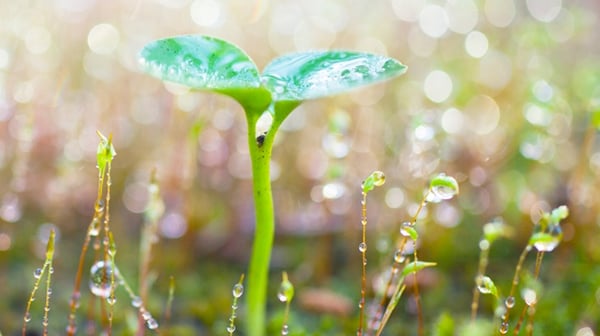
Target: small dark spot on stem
(260, 140)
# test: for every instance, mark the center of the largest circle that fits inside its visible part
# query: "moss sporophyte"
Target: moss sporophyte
(208, 63)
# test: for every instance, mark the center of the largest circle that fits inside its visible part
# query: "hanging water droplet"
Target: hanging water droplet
(547, 242)
(94, 227)
(37, 273)
(146, 315)
(285, 329)
(484, 244)
(111, 300)
(100, 279)
(362, 247)
(503, 328)
(136, 301)
(529, 296)
(483, 290)
(238, 290)
(51, 270)
(399, 257)
(231, 329)
(151, 323)
(286, 289)
(407, 230)
(509, 302)
(444, 187)
(27, 317)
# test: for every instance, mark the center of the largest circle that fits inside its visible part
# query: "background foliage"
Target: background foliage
(504, 95)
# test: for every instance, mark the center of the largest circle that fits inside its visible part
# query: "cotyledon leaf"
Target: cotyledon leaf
(207, 63)
(310, 75)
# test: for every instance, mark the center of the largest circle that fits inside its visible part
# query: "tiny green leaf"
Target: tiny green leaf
(545, 242)
(495, 229)
(376, 179)
(207, 63)
(409, 231)
(286, 289)
(310, 75)
(105, 153)
(416, 266)
(559, 214)
(487, 286)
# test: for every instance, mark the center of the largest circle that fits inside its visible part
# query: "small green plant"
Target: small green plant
(208, 63)
(38, 273)
(545, 238)
(105, 276)
(441, 187)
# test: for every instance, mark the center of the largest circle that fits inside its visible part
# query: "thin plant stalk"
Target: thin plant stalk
(91, 231)
(526, 308)
(421, 326)
(483, 261)
(238, 291)
(38, 274)
(363, 276)
(264, 227)
(399, 259)
(152, 215)
(509, 302)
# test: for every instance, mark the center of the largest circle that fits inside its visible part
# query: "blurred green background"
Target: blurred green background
(504, 95)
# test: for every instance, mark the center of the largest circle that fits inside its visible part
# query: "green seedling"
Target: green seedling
(208, 63)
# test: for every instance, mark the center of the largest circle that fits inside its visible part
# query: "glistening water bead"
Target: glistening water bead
(100, 279)
(362, 247)
(443, 187)
(238, 290)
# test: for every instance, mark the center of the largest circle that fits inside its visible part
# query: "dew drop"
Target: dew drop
(111, 300)
(37, 273)
(146, 315)
(27, 317)
(362, 247)
(529, 296)
(136, 301)
(51, 270)
(484, 244)
(444, 187)
(285, 329)
(94, 227)
(238, 290)
(406, 229)
(231, 329)
(151, 324)
(100, 279)
(509, 302)
(503, 328)
(399, 257)
(483, 290)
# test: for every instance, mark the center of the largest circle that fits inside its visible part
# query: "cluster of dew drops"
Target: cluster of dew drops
(100, 285)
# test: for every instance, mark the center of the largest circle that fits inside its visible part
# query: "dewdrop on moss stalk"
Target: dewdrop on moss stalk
(442, 187)
(100, 275)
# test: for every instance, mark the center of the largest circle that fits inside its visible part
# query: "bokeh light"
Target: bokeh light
(502, 94)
